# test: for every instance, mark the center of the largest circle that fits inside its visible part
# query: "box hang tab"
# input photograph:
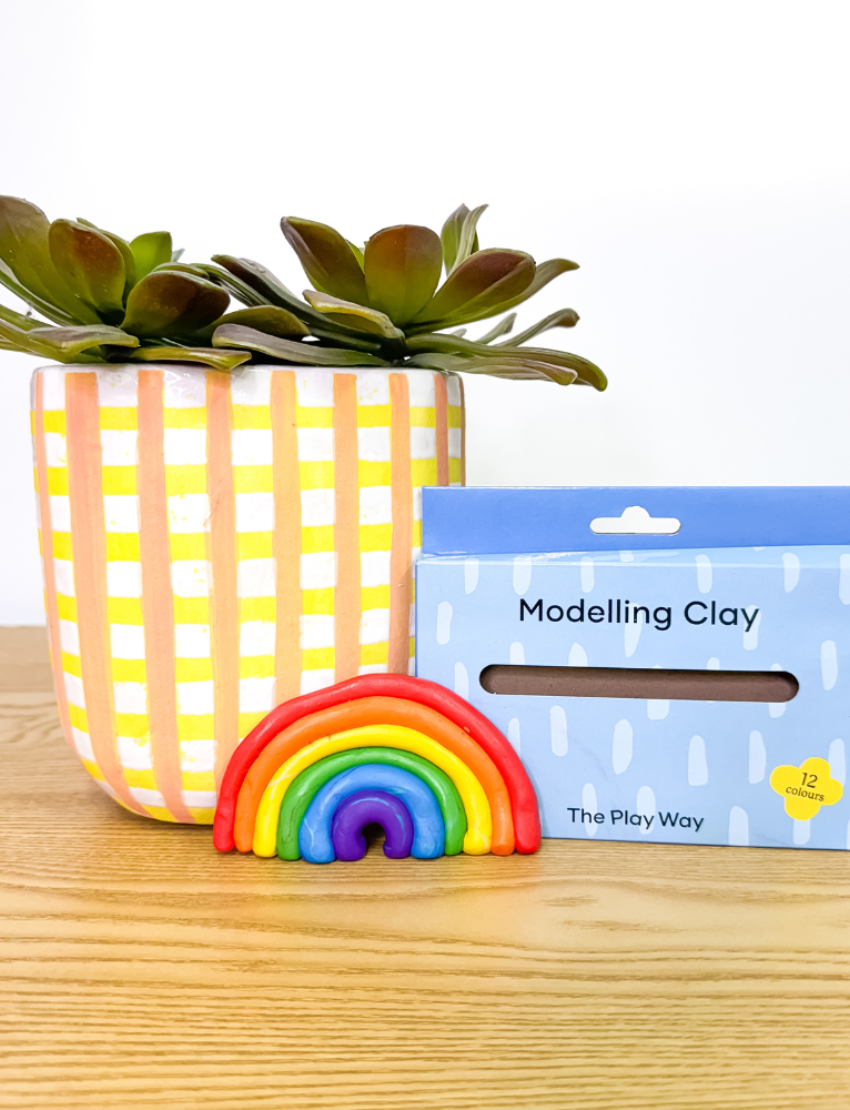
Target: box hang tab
(493, 521)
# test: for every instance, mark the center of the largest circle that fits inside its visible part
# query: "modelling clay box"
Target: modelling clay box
(687, 687)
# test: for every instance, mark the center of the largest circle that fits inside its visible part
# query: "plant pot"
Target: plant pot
(215, 544)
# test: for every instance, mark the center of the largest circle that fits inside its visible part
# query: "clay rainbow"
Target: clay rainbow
(407, 753)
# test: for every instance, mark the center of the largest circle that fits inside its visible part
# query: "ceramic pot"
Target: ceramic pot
(215, 544)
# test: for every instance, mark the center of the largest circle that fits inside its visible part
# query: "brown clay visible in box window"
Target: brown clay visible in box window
(626, 682)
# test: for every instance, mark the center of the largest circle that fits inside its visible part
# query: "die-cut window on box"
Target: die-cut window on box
(635, 521)
(652, 683)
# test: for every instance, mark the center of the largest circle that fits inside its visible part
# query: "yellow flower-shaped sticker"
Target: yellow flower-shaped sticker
(806, 788)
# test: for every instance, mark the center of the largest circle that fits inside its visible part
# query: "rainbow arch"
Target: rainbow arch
(440, 777)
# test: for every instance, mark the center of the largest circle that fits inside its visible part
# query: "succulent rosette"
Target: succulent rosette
(384, 304)
(108, 299)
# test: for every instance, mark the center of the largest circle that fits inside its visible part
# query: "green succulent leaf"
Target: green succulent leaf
(402, 268)
(359, 316)
(302, 354)
(450, 236)
(215, 357)
(27, 323)
(459, 236)
(21, 339)
(264, 288)
(260, 279)
(253, 284)
(64, 344)
(545, 272)
(27, 269)
(447, 344)
(502, 328)
(268, 319)
(328, 260)
(194, 269)
(124, 247)
(46, 308)
(586, 372)
(73, 341)
(468, 242)
(435, 360)
(233, 284)
(478, 287)
(502, 366)
(358, 254)
(151, 250)
(563, 318)
(91, 265)
(168, 303)
(359, 342)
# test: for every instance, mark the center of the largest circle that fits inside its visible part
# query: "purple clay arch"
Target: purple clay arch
(371, 807)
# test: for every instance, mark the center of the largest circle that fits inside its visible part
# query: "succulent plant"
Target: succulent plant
(107, 299)
(384, 305)
(110, 300)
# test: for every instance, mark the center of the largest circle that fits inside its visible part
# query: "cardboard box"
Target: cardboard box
(747, 605)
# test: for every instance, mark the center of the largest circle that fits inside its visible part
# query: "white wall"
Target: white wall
(693, 157)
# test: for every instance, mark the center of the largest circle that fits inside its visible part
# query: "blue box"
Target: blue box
(755, 581)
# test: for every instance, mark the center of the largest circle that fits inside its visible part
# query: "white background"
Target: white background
(693, 157)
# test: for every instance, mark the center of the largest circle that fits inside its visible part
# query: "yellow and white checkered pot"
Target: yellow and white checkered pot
(215, 543)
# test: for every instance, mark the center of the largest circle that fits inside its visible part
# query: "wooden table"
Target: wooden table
(142, 969)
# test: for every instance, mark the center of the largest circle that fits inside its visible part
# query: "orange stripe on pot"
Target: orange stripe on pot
(402, 535)
(346, 529)
(287, 536)
(47, 559)
(88, 531)
(224, 606)
(441, 404)
(157, 596)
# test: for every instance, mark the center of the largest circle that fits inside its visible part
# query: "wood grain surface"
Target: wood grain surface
(142, 969)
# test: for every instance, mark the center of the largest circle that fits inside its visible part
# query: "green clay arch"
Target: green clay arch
(304, 787)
